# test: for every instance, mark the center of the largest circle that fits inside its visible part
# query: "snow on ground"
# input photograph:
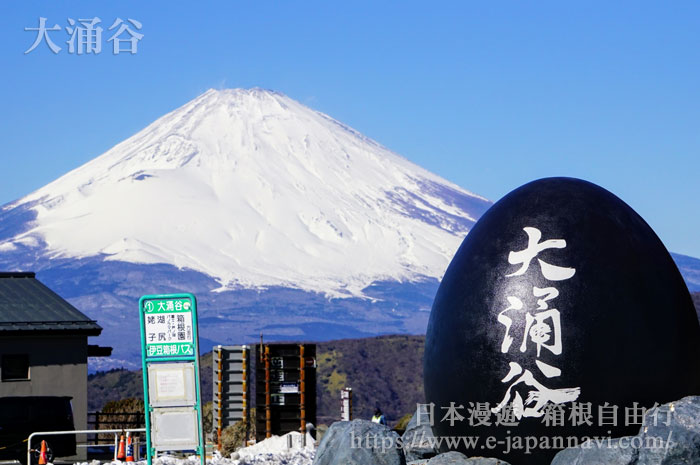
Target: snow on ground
(272, 451)
(277, 444)
(295, 457)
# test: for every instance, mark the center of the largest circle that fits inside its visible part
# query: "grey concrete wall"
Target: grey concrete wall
(57, 367)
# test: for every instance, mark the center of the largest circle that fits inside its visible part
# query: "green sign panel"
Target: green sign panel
(168, 327)
(170, 357)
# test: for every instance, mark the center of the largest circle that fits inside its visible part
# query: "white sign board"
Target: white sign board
(171, 384)
(174, 429)
(289, 388)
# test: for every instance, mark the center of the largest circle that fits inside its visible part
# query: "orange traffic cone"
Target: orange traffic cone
(129, 448)
(42, 455)
(120, 454)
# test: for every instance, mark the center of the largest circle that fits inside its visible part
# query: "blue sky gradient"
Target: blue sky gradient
(489, 95)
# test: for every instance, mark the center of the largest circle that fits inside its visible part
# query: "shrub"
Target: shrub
(121, 414)
(403, 423)
(233, 437)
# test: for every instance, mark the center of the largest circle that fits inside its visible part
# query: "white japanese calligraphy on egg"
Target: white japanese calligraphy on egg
(542, 329)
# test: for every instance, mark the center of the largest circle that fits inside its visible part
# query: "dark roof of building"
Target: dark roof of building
(27, 305)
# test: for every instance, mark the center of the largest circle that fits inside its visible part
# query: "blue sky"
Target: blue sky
(489, 95)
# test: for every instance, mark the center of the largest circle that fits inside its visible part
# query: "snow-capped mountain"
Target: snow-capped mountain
(255, 190)
(243, 191)
(278, 218)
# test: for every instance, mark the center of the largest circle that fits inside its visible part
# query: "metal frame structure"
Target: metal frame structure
(277, 408)
(231, 388)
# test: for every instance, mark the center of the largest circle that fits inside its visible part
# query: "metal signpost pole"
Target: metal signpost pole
(198, 406)
(146, 404)
(244, 389)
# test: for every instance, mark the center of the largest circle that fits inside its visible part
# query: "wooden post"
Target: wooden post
(137, 448)
(219, 396)
(244, 355)
(97, 426)
(302, 389)
(268, 401)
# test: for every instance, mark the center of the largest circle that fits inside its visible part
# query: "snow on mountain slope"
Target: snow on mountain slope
(256, 190)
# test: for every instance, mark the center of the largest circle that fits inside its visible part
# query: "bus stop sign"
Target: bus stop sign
(171, 385)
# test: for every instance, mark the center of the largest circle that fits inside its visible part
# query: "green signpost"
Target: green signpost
(171, 386)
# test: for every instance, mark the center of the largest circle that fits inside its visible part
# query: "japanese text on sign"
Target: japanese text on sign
(168, 327)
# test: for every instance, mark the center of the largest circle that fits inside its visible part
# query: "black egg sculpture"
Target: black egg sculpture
(561, 317)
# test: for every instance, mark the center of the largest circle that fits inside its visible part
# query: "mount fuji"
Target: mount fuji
(280, 220)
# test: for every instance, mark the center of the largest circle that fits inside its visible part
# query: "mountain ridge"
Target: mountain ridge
(255, 190)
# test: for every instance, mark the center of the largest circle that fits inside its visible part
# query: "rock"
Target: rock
(671, 436)
(457, 458)
(485, 461)
(311, 429)
(449, 458)
(592, 453)
(359, 442)
(418, 440)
